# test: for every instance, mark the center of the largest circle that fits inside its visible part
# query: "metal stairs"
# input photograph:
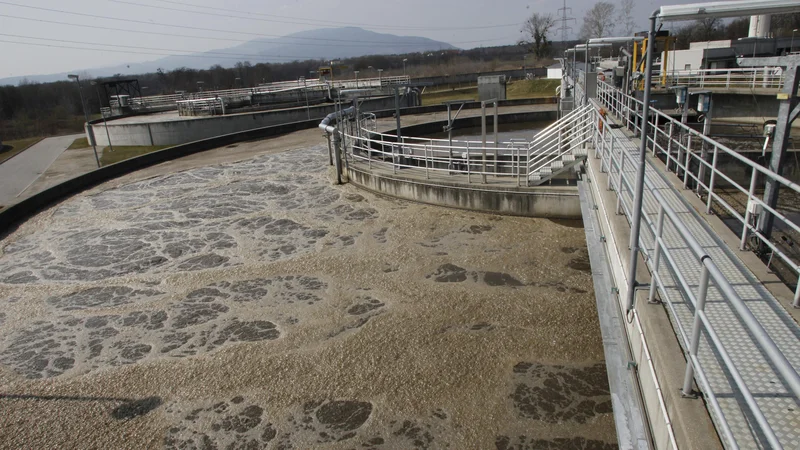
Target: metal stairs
(560, 147)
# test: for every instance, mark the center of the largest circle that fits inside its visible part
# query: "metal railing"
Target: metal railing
(501, 160)
(687, 153)
(559, 139)
(472, 158)
(762, 77)
(613, 157)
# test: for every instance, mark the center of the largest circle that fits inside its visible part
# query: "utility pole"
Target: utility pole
(86, 116)
(565, 19)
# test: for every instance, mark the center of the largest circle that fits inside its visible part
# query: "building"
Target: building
(555, 71)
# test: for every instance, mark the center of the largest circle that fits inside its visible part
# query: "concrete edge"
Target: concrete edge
(629, 418)
(654, 343)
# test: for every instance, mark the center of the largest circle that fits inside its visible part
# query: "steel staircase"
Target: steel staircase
(560, 147)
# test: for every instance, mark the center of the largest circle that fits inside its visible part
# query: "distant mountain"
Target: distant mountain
(324, 43)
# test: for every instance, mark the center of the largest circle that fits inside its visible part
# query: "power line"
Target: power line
(93, 16)
(246, 55)
(304, 20)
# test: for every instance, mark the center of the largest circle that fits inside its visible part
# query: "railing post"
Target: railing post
(687, 162)
(753, 179)
(655, 134)
(394, 159)
(619, 180)
(657, 255)
(468, 168)
(728, 80)
(696, 330)
(711, 182)
(669, 144)
(425, 150)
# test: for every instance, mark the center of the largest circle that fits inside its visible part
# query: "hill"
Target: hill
(322, 44)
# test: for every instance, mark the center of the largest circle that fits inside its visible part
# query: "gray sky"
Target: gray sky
(409, 17)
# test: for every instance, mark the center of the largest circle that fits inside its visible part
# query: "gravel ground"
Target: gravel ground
(212, 303)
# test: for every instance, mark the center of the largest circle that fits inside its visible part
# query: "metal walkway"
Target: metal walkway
(738, 425)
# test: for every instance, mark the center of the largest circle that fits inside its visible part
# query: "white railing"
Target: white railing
(687, 153)
(158, 101)
(762, 77)
(559, 139)
(499, 160)
(371, 82)
(613, 159)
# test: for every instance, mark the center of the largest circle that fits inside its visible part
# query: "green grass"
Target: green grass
(532, 88)
(79, 143)
(514, 90)
(11, 148)
(123, 153)
(436, 98)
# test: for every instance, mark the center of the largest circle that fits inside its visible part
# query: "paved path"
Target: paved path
(777, 403)
(22, 170)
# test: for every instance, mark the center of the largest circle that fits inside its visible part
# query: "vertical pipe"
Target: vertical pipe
(686, 165)
(696, 330)
(669, 144)
(330, 152)
(657, 256)
(750, 194)
(450, 133)
(425, 150)
(638, 194)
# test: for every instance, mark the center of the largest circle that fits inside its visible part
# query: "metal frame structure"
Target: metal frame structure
(613, 161)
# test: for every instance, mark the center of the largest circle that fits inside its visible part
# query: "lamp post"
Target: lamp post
(86, 116)
(356, 72)
(380, 81)
(105, 123)
(791, 46)
(404, 66)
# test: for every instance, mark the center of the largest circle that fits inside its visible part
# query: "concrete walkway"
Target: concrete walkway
(773, 398)
(25, 168)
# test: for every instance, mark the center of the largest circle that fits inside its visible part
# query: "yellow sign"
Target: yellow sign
(783, 96)
(324, 71)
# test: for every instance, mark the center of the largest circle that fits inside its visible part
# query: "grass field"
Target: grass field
(11, 148)
(514, 90)
(79, 143)
(123, 153)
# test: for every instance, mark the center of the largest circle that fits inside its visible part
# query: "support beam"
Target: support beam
(787, 112)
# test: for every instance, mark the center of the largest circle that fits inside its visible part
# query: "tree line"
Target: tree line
(606, 19)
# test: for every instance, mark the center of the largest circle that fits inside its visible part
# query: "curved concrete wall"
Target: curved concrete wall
(556, 203)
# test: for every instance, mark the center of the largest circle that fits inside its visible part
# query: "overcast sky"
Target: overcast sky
(463, 23)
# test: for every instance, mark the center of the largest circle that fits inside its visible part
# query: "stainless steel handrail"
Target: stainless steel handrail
(701, 323)
(617, 102)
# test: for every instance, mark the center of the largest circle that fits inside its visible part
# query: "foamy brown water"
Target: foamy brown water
(252, 304)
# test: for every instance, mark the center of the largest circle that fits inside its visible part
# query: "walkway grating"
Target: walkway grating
(780, 407)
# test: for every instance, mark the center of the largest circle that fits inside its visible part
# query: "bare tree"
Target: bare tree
(599, 21)
(625, 17)
(535, 31)
(707, 29)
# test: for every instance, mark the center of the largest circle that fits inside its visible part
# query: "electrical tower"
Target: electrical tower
(565, 19)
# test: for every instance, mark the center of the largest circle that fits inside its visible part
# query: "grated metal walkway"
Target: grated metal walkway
(780, 407)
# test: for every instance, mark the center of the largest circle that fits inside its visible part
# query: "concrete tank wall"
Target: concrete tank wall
(176, 132)
(557, 203)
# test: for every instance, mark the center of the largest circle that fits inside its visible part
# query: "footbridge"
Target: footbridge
(702, 341)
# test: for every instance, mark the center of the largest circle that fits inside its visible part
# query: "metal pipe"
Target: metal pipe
(694, 343)
(636, 222)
